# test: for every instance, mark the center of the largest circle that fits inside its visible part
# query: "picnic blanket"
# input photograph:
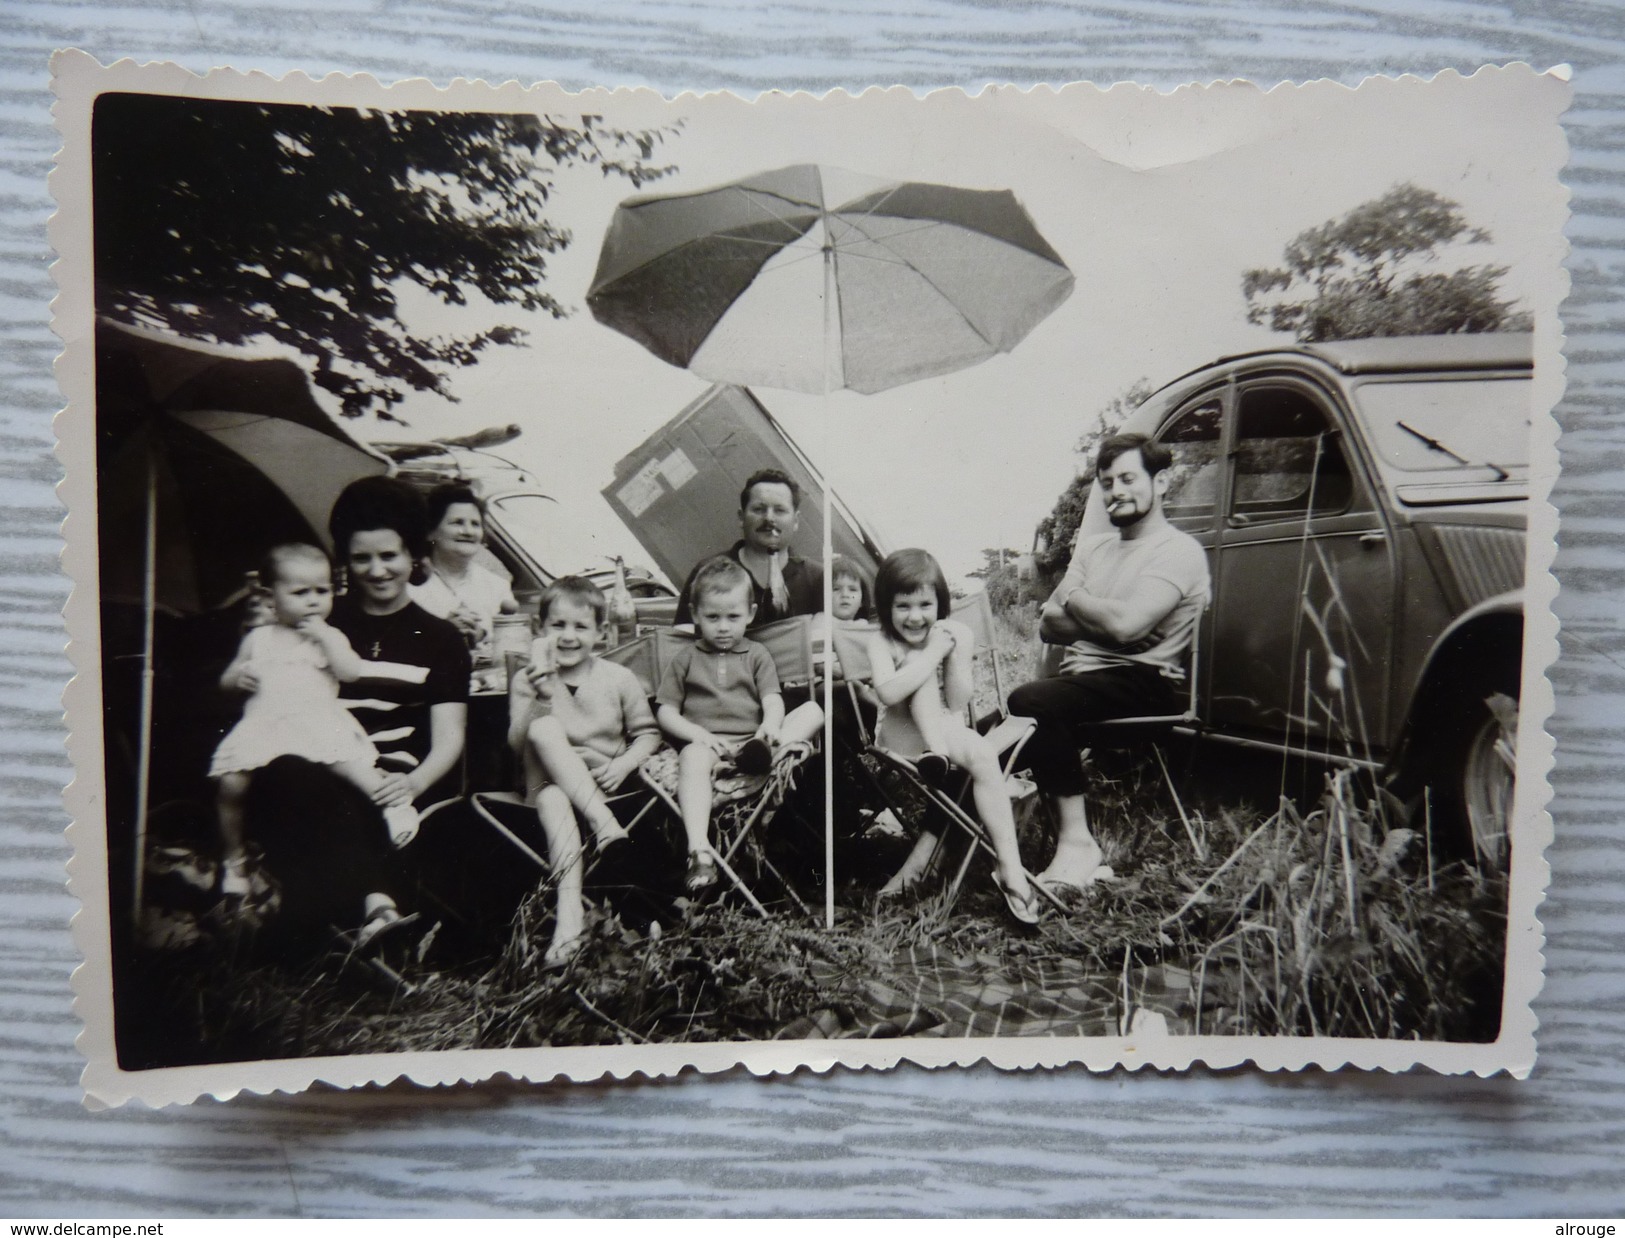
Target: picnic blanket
(927, 991)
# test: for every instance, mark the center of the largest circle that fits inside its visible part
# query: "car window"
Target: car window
(1289, 463)
(1429, 425)
(1193, 438)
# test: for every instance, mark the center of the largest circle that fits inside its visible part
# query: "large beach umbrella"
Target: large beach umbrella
(205, 456)
(815, 279)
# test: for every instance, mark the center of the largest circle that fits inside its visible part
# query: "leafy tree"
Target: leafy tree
(229, 221)
(1058, 530)
(1000, 576)
(1371, 273)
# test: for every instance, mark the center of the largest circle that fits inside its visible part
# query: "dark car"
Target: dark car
(1363, 507)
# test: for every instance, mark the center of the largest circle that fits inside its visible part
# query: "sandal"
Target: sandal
(702, 872)
(402, 821)
(380, 924)
(1022, 912)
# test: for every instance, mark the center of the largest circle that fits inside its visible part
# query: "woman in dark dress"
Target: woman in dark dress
(324, 841)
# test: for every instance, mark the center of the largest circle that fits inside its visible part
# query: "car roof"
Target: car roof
(1401, 354)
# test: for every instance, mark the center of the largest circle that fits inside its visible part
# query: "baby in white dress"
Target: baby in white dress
(292, 666)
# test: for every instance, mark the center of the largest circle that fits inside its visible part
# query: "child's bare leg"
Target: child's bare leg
(564, 853)
(401, 819)
(802, 723)
(931, 716)
(230, 793)
(566, 770)
(694, 765)
(992, 800)
(914, 868)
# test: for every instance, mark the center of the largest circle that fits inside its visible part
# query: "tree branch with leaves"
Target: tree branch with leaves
(233, 222)
(1372, 273)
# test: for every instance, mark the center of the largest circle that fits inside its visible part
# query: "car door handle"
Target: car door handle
(1373, 539)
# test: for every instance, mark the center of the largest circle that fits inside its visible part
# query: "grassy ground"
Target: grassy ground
(1327, 914)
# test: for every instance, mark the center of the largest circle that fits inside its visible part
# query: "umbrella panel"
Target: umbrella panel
(992, 212)
(670, 305)
(648, 229)
(216, 514)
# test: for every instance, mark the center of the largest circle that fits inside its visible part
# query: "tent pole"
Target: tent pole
(149, 606)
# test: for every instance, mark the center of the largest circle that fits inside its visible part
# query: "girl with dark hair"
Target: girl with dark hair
(921, 665)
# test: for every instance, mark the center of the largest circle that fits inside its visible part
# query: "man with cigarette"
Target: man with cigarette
(1126, 611)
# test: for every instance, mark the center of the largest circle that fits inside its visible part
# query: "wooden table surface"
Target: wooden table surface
(911, 1141)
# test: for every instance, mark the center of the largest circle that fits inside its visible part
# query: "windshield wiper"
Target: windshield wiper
(1500, 473)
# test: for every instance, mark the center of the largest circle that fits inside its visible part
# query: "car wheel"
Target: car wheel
(1475, 782)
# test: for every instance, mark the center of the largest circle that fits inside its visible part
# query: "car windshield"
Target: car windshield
(559, 545)
(1433, 425)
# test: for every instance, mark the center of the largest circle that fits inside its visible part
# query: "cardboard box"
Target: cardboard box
(678, 492)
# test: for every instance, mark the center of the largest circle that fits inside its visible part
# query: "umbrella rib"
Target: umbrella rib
(884, 198)
(752, 196)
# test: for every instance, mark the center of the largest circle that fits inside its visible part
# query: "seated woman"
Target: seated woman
(467, 593)
(325, 841)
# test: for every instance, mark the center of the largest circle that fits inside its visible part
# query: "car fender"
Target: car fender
(1424, 698)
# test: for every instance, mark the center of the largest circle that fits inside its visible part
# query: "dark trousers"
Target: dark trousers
(1066, 708)
(324, 841)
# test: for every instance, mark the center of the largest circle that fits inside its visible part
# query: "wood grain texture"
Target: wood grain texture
(910, 1141)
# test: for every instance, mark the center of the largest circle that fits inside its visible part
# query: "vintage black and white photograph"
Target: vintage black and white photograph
(570, 584)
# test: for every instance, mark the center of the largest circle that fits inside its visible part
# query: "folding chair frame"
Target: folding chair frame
(1186, 722)
(789, 642)
(976, 613)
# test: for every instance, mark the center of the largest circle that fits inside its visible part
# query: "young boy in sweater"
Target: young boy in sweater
(582, 728)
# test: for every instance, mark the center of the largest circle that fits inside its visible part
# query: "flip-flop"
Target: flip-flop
(1024, 913)
(382, 924)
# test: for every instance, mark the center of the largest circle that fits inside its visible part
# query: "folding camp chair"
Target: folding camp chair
(638, 656)
(1149, 729)
(740, 806)
(1006, 734)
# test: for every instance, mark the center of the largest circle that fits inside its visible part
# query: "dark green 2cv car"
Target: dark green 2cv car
(1363, 506)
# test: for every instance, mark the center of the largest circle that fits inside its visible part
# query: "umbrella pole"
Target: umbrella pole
(829, 617)
(149, 606)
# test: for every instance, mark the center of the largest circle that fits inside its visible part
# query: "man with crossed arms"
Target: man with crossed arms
(1126, 611)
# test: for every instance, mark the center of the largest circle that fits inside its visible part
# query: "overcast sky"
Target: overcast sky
(1156, 203)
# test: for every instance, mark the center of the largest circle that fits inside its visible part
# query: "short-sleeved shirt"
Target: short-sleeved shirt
(1109, 565)
(720, 690)
(803, 587)
(393, 710)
